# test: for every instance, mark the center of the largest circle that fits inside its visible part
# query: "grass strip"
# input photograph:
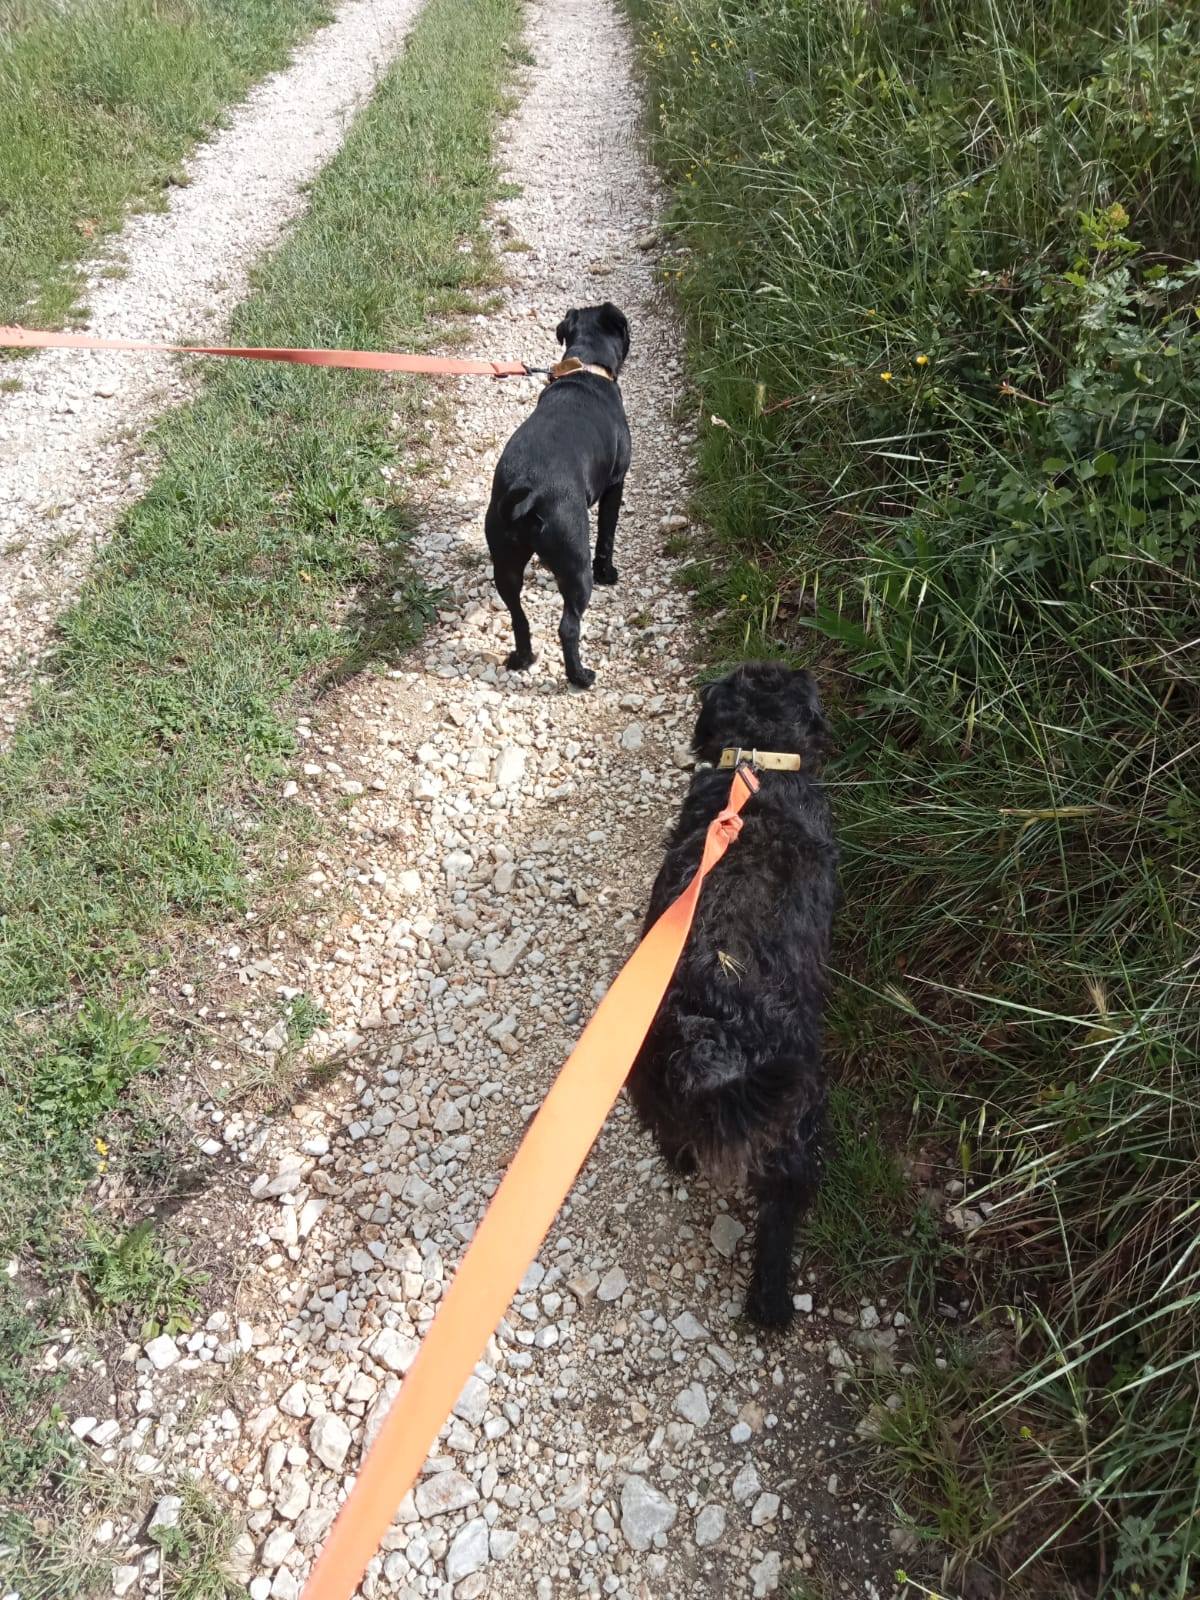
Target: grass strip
(939, 267)
(135, 803)
(100, 101)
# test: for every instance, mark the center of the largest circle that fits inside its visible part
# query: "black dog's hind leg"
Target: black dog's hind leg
(783, 1188)
(606, 532)
(509, 572)
(576, 591)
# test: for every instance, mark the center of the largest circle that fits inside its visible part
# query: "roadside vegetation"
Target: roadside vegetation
(100, 100)
(939, 267)
(138, 803)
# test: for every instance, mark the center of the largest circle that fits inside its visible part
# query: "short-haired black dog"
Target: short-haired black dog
(572, 451)
(730, 1079)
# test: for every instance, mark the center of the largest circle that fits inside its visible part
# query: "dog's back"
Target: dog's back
(561, 458)
(734, 1054)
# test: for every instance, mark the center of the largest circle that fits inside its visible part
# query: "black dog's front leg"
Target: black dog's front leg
(606, 533)
(783, 1192)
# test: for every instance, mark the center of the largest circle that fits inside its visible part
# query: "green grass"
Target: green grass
(136, 803)
(99, 102)
(938, 268)
(867, 1226)
(136, 1272)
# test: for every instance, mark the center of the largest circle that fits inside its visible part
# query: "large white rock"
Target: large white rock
(645, 1512)
(468, 1551)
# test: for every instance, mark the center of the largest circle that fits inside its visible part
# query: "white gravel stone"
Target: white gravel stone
(747, 1484)
(612, 1285)
(645, 1513)
(765, 1574)
(162, 1352)
(395, 1351)
(471, 1405)
(688, 1327)
(725, 1234)
(469, 1551)
(329, 1440)
(692, 1405)
(510, 767)
(710, 1526)
(765, 1509)
(166, 1512)
(442, 1492)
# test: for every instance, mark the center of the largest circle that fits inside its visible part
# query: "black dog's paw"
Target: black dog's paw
(520, 661)
(769, 1305)
(583, 679)
(604, 571)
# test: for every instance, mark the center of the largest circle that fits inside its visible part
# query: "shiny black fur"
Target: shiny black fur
(572, 451)
(730, 1078)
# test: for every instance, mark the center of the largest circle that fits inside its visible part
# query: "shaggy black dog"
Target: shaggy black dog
(730, 1079)
(572, 451)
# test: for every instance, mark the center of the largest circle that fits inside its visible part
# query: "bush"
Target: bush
(937, 264)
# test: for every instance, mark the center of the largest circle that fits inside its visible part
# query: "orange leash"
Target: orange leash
(362, 360)
(514, 1225)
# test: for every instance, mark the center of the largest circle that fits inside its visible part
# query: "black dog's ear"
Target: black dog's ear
(614, 320)
(565, 331)
(807, 698)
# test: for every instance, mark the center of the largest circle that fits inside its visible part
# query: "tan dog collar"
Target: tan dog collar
(570, 364)
(768, 760)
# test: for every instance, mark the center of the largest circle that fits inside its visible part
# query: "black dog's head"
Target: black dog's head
(763, 706)
(598, 335)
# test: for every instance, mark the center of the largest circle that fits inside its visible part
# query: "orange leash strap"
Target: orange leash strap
(362, 360)
(514, 1225)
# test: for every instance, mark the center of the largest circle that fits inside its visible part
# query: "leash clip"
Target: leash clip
(747, 774)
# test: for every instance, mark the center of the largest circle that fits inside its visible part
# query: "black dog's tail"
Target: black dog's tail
(736, 1108)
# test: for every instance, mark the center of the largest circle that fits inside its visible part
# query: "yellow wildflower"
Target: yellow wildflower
(922, 360)
(102, 1147)
(885, 377)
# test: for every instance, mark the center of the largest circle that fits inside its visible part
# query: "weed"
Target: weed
(196, 1551)
(136, 1273)
(304, 1017)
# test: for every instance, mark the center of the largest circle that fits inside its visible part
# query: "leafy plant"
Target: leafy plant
(134, 1272)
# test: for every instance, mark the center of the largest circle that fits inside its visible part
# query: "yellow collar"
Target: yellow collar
(769, 760)
(570, 364)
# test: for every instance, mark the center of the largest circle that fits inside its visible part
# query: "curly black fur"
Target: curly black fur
(730, 1079)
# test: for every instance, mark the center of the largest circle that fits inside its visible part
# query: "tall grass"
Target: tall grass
(939, 266)
(99, 102)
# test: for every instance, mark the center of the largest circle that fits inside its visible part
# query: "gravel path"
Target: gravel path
(70, 456)
(493, 840)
